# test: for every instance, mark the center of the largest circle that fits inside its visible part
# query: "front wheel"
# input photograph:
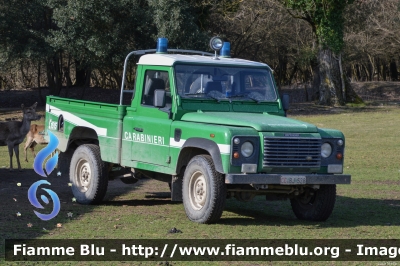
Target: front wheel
(203, 190)
(315, 205)
(88, 175)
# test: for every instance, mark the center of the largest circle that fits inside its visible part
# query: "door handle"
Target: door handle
(138, 129)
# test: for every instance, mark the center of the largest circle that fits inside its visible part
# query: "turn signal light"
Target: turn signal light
(339, 156)
(236, 155)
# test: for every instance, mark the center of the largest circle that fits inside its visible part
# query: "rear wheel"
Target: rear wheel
(88, 174)
(203, 190)
(315, 205)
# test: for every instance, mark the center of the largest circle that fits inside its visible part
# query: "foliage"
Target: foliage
(24, 26)
(325, 17)
(99, 33)
(176, 20)
(50, 42)
(326, 20)
(372, 40)
(93, 35)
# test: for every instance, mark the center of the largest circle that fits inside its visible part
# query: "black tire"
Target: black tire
(88, 175)
(316, 207)
(64, 162)
(204, 204)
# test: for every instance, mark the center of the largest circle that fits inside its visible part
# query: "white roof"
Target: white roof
(171, 59)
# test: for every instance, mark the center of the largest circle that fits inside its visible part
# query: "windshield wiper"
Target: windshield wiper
(246, 96)
(191, 94)
(214, 97)
(206, 94)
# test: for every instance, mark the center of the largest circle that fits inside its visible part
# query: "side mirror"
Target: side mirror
(159, 98)
(285, 102)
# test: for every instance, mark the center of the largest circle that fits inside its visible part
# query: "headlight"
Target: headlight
(326, 150)
(247, 149)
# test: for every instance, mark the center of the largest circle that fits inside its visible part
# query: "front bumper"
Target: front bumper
(266, 179)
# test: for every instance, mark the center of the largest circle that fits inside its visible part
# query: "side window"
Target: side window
(154, 80)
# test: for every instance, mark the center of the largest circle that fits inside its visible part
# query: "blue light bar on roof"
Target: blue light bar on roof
(162, 46)
(226, 50)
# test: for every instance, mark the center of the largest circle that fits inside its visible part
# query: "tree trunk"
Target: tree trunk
(378, 68)
(67, 73)
(334, 87)
(118, 79)
(371, 69)
(384, 70)
(49, 74)
(330, 89)
(316, 81)
(41, 98)
(88, 74)
(282, 68)
(54, 74)
(394, 75)
(293, 72)
(86, 84)
(82, 74)
(358, 72)
(342, 78)
(351, 95)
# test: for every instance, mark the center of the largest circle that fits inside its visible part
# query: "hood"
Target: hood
(260, 122)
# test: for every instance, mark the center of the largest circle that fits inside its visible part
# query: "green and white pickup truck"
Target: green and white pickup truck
(212, 127)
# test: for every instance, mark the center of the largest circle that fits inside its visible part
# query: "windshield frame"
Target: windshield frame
(182, 83)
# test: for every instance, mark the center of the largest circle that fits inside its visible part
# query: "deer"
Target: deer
(12, 133)
(34, 136)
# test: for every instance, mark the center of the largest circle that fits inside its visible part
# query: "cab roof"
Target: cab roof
(172, 59)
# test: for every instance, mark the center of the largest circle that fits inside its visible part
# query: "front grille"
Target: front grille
(291, 152)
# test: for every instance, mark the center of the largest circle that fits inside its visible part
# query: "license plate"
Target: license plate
(293, 180)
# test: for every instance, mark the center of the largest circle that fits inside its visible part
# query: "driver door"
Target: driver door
(151, 126)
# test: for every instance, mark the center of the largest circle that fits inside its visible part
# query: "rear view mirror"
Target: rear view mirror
(220, 78)
(159, 98)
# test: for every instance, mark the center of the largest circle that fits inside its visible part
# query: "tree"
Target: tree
(326, 20)
(178, 20)
(24, 27)
(372, 39)
(262, 30)
(98, 34)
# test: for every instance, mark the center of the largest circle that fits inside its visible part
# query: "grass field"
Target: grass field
(369, 208)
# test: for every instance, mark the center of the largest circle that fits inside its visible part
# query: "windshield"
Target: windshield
(224, 83)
